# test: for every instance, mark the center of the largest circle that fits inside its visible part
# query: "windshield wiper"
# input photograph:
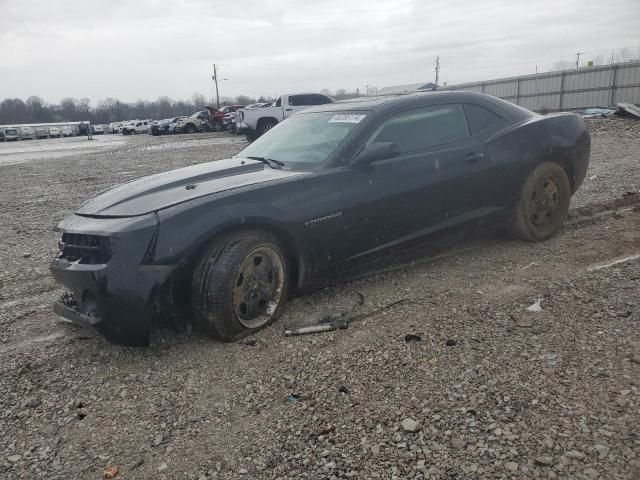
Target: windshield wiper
(269, 161)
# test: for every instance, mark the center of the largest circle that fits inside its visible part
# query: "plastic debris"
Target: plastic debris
(110, 472)
(615, 262)
(535, 307)
(412, 337)
(628, 109)
(597, 112)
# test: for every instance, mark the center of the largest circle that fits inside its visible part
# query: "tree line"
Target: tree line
(35, 110)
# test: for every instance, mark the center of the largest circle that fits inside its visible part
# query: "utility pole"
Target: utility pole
(215, 80)
(437, 69)
(578, 59)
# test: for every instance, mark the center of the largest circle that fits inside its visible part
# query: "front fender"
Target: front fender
(184, 228)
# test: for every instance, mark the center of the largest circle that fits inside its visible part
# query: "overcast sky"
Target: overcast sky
(146, 48)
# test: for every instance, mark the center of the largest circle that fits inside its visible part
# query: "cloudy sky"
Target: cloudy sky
(147, 48)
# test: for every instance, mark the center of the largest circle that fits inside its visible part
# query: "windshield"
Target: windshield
(308, 138)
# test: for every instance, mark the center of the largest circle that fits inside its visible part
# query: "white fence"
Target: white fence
(601, 86)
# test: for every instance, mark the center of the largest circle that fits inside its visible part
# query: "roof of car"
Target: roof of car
(378, 103)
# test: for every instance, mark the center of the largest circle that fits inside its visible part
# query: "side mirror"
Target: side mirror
(378, 151)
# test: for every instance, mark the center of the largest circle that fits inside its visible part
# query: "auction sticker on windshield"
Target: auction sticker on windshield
(347, 118)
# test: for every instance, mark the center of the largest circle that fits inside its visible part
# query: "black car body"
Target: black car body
(163, 127)
(126, 251)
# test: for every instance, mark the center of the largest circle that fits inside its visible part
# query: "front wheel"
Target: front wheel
(544, 203)
(217, 127)
(240, 285)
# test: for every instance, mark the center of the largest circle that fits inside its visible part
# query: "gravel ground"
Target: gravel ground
(446, 375)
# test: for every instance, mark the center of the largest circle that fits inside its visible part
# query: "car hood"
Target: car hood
(163, 190)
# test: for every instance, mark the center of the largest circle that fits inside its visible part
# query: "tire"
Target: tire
(543, 204)
(217, 127)
(190, 128)
(240, 285)
(266, 125)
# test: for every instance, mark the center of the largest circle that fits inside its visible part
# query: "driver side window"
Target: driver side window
(424, 127)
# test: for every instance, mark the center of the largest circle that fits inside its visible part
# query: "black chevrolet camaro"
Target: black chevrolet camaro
(229, 241)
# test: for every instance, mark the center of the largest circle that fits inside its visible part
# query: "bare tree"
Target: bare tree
(199, 100)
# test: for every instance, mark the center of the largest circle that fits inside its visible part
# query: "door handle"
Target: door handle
(473, 157)
(288, 109)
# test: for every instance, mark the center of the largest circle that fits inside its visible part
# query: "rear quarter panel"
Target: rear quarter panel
(562, 138)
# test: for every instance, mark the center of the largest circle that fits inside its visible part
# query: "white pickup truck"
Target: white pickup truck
(136, 126)
(255, 121)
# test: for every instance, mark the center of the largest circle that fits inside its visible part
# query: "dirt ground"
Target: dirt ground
(445, 376)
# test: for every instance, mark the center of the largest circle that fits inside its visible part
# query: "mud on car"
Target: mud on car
(227, 242)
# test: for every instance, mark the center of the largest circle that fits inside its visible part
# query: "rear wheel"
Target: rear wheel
(266, 125)
(544, 203)
(190, 128)
(218, 127)
(240, 285)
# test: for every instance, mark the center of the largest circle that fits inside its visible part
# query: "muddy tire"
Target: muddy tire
(190, 128)
(240, 285)
(266, 125)
(218, 127)
(544, 203)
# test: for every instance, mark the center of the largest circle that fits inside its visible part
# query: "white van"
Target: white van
(9, 134)
(27, 133)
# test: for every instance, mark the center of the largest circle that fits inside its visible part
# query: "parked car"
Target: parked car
(198, 122)
(54, 132)
(97, 129)
(9, 134)
(27, 133)
(124, 125)
(81, 128)
(67, 131)
(163, 127)
(331, 185)
(174, 124)
(41, 132)
(115, 127)
(137, 126)
(217, 119)
(256, 121)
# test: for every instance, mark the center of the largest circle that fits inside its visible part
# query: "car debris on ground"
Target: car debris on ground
(628, 109)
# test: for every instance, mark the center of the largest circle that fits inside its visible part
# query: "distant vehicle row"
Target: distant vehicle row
(8, 134)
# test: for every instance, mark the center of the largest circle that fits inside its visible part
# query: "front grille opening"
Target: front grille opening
(85, 249)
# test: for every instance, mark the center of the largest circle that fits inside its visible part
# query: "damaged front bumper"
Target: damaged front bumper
(106, 265)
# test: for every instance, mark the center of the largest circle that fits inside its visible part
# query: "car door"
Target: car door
(491, 177)
(419, 191)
